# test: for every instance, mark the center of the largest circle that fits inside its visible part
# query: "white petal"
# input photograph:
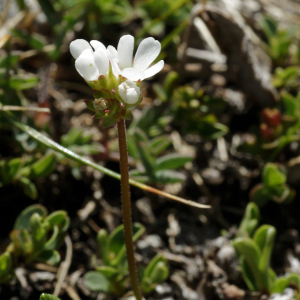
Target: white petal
(78, 46)
(147, 51)
(101, 60)
(125, 51)
(86, 67)
(132, 96)
(96, 45)
(113, 51)
(154, 69)
(133, 74)
(122, 93)
(115, 67)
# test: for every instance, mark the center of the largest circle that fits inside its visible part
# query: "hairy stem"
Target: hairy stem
(126, 208)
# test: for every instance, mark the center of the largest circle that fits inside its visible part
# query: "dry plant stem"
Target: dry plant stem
(126, 209)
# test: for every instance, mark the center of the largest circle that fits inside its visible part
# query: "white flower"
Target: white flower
(129, 92)
(138, 68)
(90, 64)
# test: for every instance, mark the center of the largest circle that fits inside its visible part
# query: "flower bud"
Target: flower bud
(129, 92)
(272, 117)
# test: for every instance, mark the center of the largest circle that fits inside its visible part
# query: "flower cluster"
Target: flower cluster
(114, 75)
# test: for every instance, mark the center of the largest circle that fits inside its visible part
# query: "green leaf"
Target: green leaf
(50, 257)
(43, 167)
(169, 176)
(251, 253)
(171, 161)
(247, 275)
(102, 243)
(250, 221)
(108, 272)
(23, 220)
(132, 148)
(155, 273)
(290, 104)
(140, 135)
(9, 61)
(97, 282)
(159, 144)
(116, 249)
(71, 137)
(48, 297)
(38, 231)
(146, 157)
(139, 176)
(55, 240)
(21, 82)
(272, 175)
(6, 267)
(264, 237)
(28, 187)
(260, 195)
(57, 218)
(169, 83)
(11, 169)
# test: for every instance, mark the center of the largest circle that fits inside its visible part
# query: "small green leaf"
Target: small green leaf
(146, 157)
(169, 176)
(13, 167)
(160, 143)
(252, 254)
(6, 267)
(72, 137)
(97, 282)
(260, 195)
(108, 272)
(48, 297)
(132, 148)
(43, 167)
(21, 82)
(250, 220)
(38, 231)
(264, 237)
(116, 250)
(28, 187)
(102, 243)
(55, 240)
(50, 257)
(57, 218)
(23, 220)
(171, 161)
(273, 176)
(155, 273)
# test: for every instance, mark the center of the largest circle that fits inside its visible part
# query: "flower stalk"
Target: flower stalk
(126, 209)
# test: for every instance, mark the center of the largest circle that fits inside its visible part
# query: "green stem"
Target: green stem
(126, 208)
